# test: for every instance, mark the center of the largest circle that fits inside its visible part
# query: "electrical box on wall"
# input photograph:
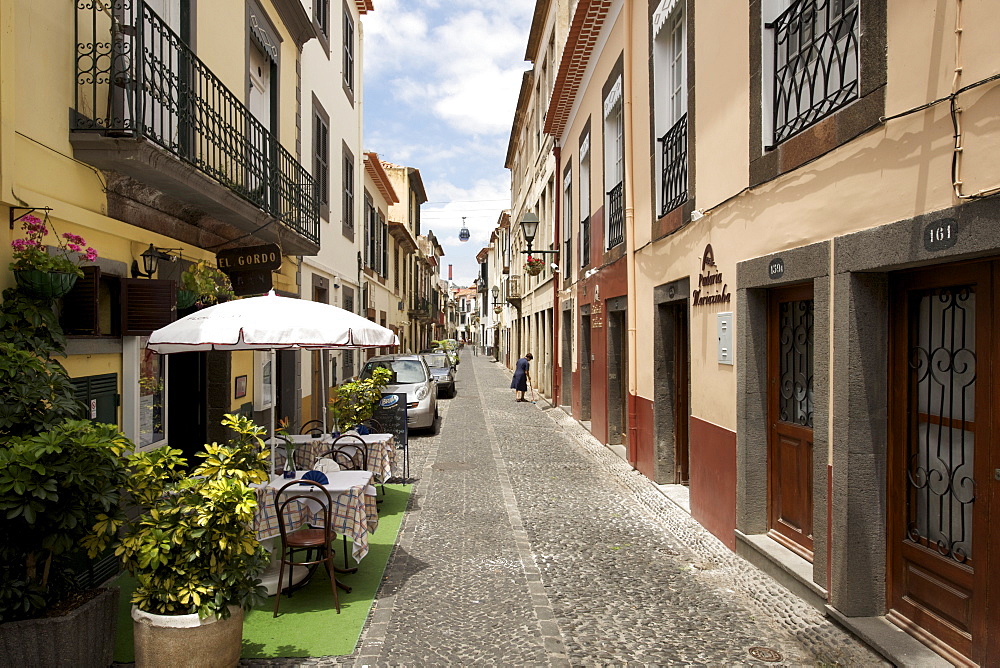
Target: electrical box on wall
(725, 332)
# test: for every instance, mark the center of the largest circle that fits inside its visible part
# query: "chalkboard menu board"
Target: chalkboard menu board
(390, 413)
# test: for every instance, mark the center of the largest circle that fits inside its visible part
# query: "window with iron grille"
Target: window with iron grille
(585, 199)
(670, 102)
(813, 68)
(567, 222)
(614, 163)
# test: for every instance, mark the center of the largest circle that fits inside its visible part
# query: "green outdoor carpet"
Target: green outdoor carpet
(307, 624)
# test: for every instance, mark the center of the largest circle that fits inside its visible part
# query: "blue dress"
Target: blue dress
(520, 380)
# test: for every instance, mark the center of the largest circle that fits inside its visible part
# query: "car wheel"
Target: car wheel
(434, 428)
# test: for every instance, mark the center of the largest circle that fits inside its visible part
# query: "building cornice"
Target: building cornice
(378, 175)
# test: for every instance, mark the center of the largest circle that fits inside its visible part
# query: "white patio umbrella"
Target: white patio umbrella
(270, 323)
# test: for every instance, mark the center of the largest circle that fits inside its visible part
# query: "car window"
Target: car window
(409, 371)
(437, 361)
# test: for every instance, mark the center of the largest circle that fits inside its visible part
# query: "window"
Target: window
(348, 52)
(321, 21)
(670, 100)
(567, 222)
(369, 231)
(144, 393)
(810, 55)
(614, 162)
(348, 204)
(321, 157)
(385, 245)
(585, 199)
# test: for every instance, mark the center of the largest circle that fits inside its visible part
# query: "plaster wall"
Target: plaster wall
(896, 171)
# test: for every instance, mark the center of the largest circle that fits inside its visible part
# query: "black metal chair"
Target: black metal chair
(351, 454)
(315, 540)
(313, 427)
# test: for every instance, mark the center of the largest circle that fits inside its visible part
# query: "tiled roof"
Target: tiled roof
(583, 33)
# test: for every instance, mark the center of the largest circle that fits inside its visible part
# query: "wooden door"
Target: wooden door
(790, 415)
(941, 463)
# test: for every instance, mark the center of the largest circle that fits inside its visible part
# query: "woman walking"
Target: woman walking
(519, 383)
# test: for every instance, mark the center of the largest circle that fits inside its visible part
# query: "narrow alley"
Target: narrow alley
(528, 543)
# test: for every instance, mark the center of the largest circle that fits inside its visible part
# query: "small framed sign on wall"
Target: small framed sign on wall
(241, 386)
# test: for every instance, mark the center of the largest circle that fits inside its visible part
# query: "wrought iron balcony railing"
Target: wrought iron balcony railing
(137, 78)
(585, 242)
(815, 63)
(674, 169)
(616, 215)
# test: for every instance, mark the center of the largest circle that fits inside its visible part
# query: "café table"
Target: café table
(381, 452)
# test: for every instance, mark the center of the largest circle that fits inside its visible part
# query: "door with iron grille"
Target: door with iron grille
(941, 461)
(790, 413)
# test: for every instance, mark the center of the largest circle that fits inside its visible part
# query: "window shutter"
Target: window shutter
(80, 308)
(100, 395)
(147, 305)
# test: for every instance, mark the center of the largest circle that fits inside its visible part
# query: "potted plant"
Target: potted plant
(534, 265)
(354, 402)
(203, 285)
(43, 271)
(57, 490)
(193, 550)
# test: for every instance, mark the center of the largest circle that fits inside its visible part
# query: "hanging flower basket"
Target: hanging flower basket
(44, 284)
(534, 266)
(497, 309)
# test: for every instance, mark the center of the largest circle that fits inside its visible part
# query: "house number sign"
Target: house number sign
(776, 268)
(941, 234)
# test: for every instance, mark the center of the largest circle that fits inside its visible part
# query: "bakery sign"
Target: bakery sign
(711, 288)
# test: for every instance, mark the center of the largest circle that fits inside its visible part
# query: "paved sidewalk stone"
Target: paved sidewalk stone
(527, 542)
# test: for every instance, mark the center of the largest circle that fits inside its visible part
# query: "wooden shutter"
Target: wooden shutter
(147, 305)
(81, 307)
(100, 395)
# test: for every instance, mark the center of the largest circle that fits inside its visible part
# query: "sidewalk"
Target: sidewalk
(529, 543)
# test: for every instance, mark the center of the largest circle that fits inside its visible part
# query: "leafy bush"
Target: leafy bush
(37, 393)
(59, 490)
(193, 549)
(354, 402)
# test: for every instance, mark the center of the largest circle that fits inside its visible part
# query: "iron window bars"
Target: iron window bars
(585, 242)
(616, 215)
(137, 78)
(815, 63)
(674, 169)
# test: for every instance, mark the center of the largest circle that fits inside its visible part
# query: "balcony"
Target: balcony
(420, 309)
(674, 159)
(148, 108)
(513, 291)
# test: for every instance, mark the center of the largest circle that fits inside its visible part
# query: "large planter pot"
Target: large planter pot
(82, 637)
(44, 284)
(185, 641)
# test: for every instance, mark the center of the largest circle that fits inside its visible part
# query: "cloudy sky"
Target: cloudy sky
(441, 83)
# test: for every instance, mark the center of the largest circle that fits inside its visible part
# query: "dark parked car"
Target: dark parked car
(443, 372)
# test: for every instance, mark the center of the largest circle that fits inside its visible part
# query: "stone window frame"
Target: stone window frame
(839, 127)
(806, 264)
(320, 18)
(348, 61)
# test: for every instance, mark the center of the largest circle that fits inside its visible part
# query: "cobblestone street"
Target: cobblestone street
(528, 543)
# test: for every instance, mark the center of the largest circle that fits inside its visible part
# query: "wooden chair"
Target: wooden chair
(317, 540)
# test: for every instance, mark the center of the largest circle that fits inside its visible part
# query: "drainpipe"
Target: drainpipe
(633, 429)
(556, 278)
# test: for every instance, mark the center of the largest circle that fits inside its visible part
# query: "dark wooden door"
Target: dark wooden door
(790, 415)
(942, 466)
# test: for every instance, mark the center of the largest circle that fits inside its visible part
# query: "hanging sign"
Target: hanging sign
(711, 288)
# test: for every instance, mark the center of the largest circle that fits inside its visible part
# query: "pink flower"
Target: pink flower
(91, 255)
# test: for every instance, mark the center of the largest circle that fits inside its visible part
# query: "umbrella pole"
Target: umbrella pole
(322, 384)
(274, 398)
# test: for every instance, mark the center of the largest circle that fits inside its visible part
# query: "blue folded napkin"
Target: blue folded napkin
(316, 476)
(363, 429)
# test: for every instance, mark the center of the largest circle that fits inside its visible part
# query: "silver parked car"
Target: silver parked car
(443, 372)
(410, 375)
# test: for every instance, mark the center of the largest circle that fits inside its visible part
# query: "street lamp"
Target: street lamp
(529, 228)
(151, 261)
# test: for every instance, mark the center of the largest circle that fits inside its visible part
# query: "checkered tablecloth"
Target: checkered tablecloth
(381, 453)
(354, 511)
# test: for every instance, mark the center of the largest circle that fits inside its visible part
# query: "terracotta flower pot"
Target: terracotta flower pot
(185, 641)
(44, 284)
